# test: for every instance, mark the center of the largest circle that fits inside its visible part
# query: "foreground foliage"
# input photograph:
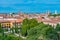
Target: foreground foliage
(42, 32)
(9, 37)
(32, 30)
(28, 24)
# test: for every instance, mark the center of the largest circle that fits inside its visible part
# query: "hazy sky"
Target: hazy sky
(29, 5)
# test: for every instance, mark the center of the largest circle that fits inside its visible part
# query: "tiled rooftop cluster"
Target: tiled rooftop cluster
(42, 17)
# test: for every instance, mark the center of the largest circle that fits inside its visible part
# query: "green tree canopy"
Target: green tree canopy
(57, 27)
(42, 32)
(27, 24)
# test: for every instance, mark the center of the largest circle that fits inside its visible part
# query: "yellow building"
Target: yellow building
(6, 24)
(10, 23)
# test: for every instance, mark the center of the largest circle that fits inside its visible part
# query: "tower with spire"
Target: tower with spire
(55, 11)
(48, 12)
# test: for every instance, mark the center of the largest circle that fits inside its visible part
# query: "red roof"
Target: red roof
(18, 20)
